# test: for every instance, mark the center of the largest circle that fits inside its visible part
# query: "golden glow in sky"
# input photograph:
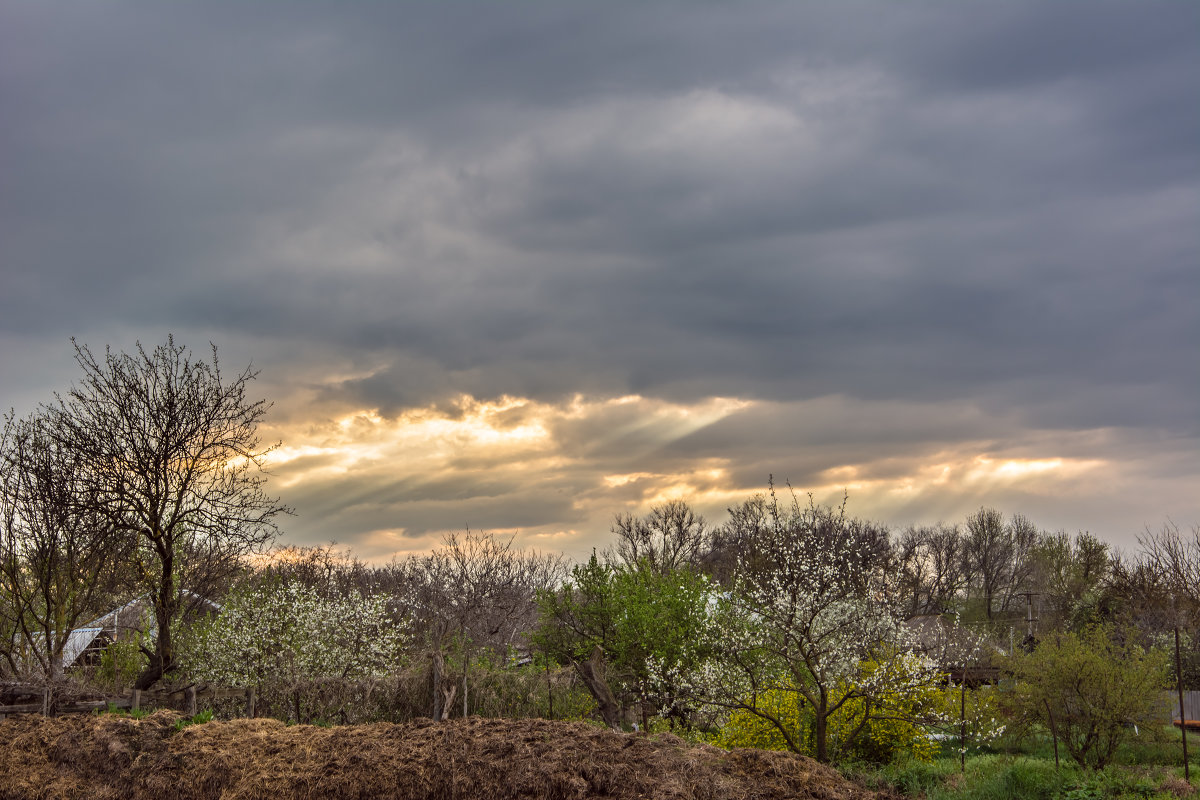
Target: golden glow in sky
(555, 474)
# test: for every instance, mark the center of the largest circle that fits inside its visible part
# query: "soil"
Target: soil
(109, 756)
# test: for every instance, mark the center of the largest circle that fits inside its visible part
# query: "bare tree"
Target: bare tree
(990, 548)
(749, 523)
(478, 592)
(947, 553)
(914, 569)
(1023, 537)
(58, 556)
(330, 571)
(1070, 572)
(1174, 556)
(670, 537)
(938, 564)
(172, 459)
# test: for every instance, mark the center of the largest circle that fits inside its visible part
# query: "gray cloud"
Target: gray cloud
(914, 208)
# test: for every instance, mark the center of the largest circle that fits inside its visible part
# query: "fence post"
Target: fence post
(135, 702)
(190, 694)
(46, 702)
(250, 709)
(1187, 774)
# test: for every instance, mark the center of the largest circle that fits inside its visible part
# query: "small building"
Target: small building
(87, 643)
(955, 649)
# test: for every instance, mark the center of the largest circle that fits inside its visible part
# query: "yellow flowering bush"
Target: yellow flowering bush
(891, 728)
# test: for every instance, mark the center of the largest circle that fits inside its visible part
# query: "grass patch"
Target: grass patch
(1006, 776)
(199, 719)
(110, 708)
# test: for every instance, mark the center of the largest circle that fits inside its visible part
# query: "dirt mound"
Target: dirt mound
(111, 757)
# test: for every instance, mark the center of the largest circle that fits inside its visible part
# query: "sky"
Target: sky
(519, 267)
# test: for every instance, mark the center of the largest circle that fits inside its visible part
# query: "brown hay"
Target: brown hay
(110, 757)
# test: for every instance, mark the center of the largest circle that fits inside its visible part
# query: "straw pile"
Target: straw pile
(116, 757)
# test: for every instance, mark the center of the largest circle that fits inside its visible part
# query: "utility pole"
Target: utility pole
(1030, 619)
(1030, 622)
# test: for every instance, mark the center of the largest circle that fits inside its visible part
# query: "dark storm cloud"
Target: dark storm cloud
(984, 207)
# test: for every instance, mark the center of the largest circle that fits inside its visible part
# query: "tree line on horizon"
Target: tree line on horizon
(145, 480)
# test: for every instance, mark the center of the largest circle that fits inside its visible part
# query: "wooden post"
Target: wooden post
(962, 733)
(250, 709)
(1053, 732)
(190, 694)
(135, 702)
(46, 702)
(1187, 774)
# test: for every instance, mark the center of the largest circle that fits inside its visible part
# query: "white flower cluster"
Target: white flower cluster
(285, 634)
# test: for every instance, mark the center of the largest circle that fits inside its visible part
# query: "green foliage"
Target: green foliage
(662, 632)
(120, 663)
(649, 625)
(878, 728)
(580, 616)
(996, 777)
(1089, 689)
(198, 719)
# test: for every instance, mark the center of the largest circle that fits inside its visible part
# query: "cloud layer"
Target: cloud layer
(495, 260)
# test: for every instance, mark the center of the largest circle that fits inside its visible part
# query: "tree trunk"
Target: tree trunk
(438, 669)
(821, 730)
(592, 672)
(166, 605)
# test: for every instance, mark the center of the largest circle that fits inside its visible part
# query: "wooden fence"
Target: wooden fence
(134, 700)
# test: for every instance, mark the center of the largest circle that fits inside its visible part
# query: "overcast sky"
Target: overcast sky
(522, 266)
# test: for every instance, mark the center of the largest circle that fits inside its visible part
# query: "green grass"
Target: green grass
(1149, 767)
(136, 713)
(1159, 747)
(199, 719)
(1005, 777)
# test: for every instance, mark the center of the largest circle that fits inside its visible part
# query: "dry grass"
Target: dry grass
(111, 757)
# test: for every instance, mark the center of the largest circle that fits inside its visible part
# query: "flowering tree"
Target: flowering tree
(810, 605)
(281, 635)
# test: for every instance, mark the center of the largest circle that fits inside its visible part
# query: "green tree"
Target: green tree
(1089, 689)
(1071, 573)
(663, 633)
(578, 627)
(633, 630)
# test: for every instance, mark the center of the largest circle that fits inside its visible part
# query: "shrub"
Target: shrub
(1090, 690)
(120, 664)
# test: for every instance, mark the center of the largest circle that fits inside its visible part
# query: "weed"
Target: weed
(199, 719)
